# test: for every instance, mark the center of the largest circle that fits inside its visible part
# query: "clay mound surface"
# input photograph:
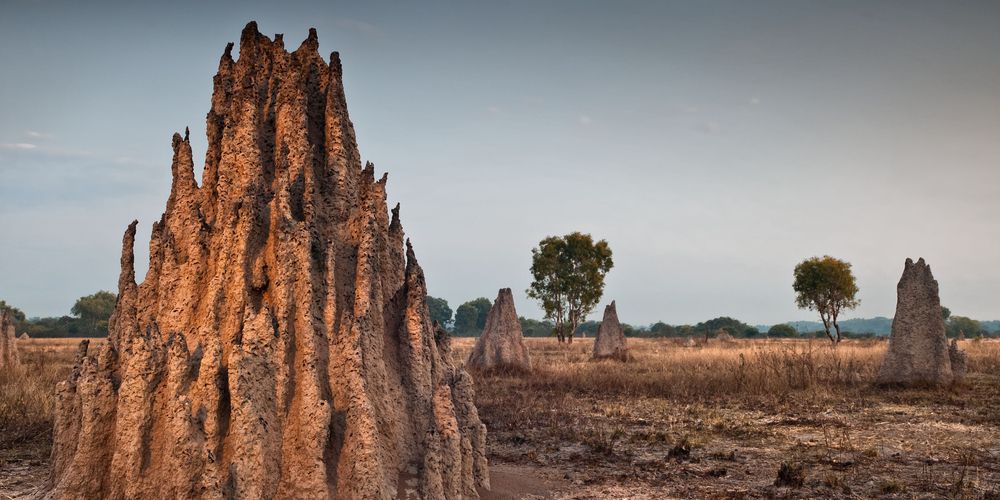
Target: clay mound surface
(610, 340)
(8, 346)
(23, 336)
(959, 359)
(918, 352)
(280, 345)
(501, 345)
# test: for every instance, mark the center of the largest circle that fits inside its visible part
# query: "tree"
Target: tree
(732, 326)
(439, 310)
(470, 317)
(535, 328)
(94, 312)
(16, 314)
(782, 330)
(826, 285)
(961, 325)
(568, 281)
(661, 329)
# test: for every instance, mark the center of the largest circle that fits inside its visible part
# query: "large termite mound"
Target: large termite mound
(501, 345)
(610, 340)
(8, 344)
(280, 345)
(918, 351)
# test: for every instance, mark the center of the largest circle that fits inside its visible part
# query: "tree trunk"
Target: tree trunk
(837, 327)
(826, 327)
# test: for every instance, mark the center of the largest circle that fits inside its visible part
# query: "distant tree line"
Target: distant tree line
(470, 318)
(88, 318)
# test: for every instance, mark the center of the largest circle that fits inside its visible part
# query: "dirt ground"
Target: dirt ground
(718, 420)
(602, 434)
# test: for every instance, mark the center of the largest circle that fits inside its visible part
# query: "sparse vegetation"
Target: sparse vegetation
(700, 421)
(722, 417)
(792, 475)
(27, 403)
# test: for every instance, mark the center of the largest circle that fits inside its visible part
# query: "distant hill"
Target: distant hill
(878, 325)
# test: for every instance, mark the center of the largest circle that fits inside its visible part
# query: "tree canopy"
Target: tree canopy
(90, 319)
(568, 274)
(782, 330)
(470, 317)
(15, 313)
(731, 326)
(826, 285)
(961, 325)
(96, 307)
(439, 311)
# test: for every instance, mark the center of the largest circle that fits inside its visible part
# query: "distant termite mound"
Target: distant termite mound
(23, 336)
(280, 345)
(959, 359)
(918, 351)
(8, 345)
(610, 340)
(501, 345)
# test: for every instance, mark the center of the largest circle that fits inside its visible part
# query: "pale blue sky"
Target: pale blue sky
(713, 144)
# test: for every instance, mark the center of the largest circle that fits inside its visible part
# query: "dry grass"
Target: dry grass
(27, 396)
(715, 420)
(719, 419)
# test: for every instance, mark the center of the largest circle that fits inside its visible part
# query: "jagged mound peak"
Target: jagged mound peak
(280, 345)
(501, 345)
(610, 340)
(8, 347)
(918, 352)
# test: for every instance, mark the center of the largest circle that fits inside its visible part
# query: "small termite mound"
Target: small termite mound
(610, 340)
(501, 345)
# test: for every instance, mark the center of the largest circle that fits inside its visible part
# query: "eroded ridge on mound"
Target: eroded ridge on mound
(501, 345)
(918, 351)
(610, 340)
(280, 345)
(8, 345)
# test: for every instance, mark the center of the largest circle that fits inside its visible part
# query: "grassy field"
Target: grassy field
(714, 420)
(27, 402)
(720, 419)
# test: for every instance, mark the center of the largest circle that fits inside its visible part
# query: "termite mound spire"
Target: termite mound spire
(280, 344)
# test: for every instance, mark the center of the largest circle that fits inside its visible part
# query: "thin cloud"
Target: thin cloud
(586, 120)
(711, 127)
(18, 146)
(34, 134)
(48, 151)
(361, 27)
(493, 109)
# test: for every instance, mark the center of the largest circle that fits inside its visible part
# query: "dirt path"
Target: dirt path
(22, 479)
